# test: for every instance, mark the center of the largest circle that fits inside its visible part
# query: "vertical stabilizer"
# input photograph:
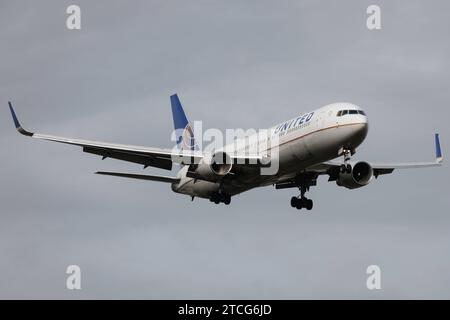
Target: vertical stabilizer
(183, 129)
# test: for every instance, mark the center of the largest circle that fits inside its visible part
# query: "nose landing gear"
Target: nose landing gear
(347, 167)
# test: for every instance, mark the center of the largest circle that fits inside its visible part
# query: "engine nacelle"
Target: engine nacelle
(361, 175)
(215, 166)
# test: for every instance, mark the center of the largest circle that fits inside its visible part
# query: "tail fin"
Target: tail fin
(183, 129)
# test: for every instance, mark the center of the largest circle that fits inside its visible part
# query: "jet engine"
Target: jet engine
(360, 175)
(213, 167)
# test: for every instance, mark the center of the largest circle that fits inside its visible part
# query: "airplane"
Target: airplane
(307, 147)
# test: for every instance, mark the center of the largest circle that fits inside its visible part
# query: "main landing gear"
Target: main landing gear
(220, 197)
(303, 183)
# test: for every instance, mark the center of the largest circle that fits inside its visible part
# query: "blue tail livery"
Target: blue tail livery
(183, 129)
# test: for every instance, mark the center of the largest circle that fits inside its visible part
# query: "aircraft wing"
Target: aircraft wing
(149, 157)
(385, 168)
(155, 157)
(332, 168)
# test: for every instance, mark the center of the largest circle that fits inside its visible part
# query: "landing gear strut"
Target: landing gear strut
(347, 167)
(304, 180)
(302, 201)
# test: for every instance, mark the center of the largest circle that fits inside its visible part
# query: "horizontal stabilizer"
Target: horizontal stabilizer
(140, 176)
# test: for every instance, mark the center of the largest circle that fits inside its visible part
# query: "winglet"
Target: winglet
(438, 148)
(17, 123)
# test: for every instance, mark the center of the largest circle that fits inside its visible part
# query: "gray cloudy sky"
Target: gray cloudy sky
(245, 64)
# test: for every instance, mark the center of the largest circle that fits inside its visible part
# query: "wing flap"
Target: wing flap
(147, 161)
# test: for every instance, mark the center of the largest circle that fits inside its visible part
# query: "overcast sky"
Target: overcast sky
(234, 64)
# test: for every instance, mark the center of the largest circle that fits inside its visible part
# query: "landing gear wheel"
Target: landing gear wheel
(294, 201)
(226, 199)
(309, 204)
(301, 203)
(219, 197)
(343, 168)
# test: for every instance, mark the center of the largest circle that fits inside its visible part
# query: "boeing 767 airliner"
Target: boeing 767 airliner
(304, 146)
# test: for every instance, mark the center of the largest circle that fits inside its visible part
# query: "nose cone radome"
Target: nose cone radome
(359, 133)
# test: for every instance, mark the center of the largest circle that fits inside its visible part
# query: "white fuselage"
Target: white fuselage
(302, 142)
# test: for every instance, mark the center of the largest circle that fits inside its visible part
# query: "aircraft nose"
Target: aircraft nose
(361, 130)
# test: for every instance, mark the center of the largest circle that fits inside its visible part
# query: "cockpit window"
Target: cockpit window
(341, 113)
